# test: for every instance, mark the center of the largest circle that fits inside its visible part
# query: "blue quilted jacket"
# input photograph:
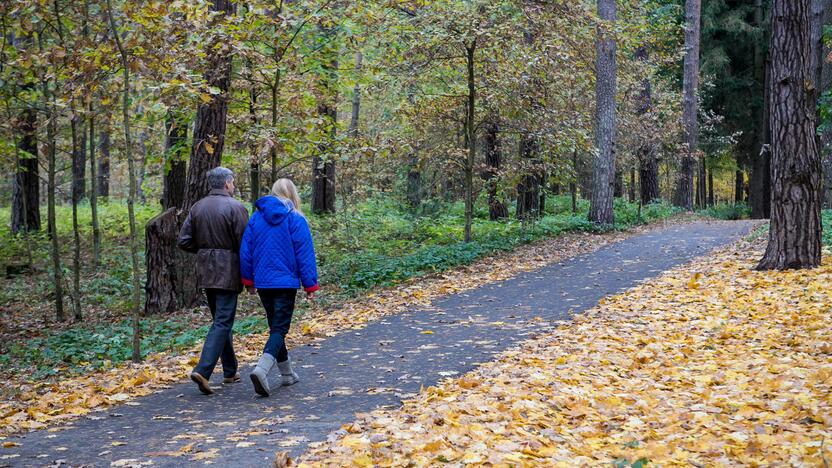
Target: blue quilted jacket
(277, 250)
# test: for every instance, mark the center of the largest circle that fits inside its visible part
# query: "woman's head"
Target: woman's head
(286, 190)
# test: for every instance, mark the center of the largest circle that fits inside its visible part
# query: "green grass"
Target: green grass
(728, 211)
(373, 244)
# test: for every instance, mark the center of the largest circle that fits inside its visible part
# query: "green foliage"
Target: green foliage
(82, 347)
(728, 211)
(394, 245)
(826, 221)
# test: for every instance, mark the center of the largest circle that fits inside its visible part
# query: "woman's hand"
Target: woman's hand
(310, 296)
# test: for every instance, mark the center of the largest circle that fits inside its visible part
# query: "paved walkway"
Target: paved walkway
(358, 371)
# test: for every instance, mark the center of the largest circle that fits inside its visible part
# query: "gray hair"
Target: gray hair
(218, 176)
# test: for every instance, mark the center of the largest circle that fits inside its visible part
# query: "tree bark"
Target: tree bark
(49, 103)
(739, 183)
(78, 164)
(323, 164)
(96, 230)
(493, 160)
(631, 193)
(26, 186)
(472, 140)
(170, 283)
(209, 126)
(174, 180)
(684, 183)
(795, 232)
(759, 180)
(711, 187)
(356, 99)
(528, 190)
(603, 180)
(648, 174)
(131, 194)
(104, 158)
(414, 181)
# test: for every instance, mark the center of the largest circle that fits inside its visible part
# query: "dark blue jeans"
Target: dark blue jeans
(223, 305)
(279, 305)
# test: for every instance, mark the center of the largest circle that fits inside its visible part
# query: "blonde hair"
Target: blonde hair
(285, 190)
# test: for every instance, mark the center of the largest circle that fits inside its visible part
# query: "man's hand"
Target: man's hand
(251, 290)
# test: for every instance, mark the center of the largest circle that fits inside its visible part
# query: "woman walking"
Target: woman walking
(276, 258)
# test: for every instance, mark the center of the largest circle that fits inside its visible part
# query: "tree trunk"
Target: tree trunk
(79, 161)
(472, 141)
(684, 184)
(795, 232)
(96, 230)
(711, 187)
(759, 180)
(78, 164)
(104, 159)
(170, 271)
(414, 181)
(131, 194)
(528, 190)
(493, 160)
(573, 185)
(323, 163)
(603, 179)
(821, 16)
(51, 152)
(631, 195)
(648, 174)
(356, 99)
(176, 144)
(701, 188)
(739, 183)
(209, 126)
(26, 186)
(618, 184)
(323, 166)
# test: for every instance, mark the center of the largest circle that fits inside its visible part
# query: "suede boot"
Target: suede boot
(260, 374)
(287, 375)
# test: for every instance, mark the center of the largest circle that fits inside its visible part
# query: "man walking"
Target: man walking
(213, 231)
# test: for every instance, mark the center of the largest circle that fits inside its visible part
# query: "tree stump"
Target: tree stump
(171, 277)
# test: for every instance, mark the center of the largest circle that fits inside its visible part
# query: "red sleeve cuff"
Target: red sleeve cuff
(312, 289)
(247, 282)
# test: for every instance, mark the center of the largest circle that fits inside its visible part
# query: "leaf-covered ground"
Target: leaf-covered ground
(36, 405)
(711, 364)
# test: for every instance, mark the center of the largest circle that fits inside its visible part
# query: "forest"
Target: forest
(423, 135)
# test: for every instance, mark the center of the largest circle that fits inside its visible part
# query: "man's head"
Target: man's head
(221, 178)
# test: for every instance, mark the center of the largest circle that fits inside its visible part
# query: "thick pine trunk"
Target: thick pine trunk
(603, 180)
(795, 232)
(493, 160)
(26, 186)
(684, 183)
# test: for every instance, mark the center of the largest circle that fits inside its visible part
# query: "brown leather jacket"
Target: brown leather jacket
(213, 231)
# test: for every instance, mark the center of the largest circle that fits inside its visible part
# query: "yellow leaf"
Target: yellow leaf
(10, 444)
(426, 332)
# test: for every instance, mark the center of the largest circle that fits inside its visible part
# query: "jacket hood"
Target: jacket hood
(273, 209)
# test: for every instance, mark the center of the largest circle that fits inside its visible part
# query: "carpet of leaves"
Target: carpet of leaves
(711, 364)
(39, 405)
